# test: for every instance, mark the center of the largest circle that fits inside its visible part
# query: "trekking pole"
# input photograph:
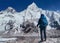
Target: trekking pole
(38, 33)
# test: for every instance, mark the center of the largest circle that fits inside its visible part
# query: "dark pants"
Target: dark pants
(43, 32)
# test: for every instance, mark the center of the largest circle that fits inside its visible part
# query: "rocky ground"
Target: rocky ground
(53, 36)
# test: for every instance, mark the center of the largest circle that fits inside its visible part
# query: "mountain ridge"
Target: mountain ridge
(32, 12)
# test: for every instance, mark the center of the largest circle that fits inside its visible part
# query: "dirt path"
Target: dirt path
(53, 36)
(33, 40)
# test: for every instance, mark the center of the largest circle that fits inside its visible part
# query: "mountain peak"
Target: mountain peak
(32, 6)
(10, 9)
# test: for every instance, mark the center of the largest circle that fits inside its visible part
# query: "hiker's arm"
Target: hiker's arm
(38, 22)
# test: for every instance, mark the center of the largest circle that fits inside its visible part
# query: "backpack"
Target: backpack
(43, 21)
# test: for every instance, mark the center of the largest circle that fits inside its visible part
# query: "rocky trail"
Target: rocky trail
(53, 36)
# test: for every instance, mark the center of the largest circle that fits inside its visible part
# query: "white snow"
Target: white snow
(7, 39)
(31, 13)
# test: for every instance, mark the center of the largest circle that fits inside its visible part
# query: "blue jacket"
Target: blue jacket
(42, 21)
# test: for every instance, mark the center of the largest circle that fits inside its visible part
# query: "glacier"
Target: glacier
(32, 13)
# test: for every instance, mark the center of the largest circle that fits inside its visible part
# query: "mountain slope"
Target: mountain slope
(32, 13)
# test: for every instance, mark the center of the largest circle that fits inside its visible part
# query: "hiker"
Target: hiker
(42, 23)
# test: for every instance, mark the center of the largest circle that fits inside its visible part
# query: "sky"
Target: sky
(20, 5)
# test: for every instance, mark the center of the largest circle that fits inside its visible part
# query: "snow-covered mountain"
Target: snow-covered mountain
(32, 13)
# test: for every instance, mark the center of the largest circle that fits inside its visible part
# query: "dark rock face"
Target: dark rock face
(28, 27)
(53, 33)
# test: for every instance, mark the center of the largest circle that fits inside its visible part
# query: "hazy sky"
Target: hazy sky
(20, 5)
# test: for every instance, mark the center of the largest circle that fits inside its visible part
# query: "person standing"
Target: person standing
(42, 23)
